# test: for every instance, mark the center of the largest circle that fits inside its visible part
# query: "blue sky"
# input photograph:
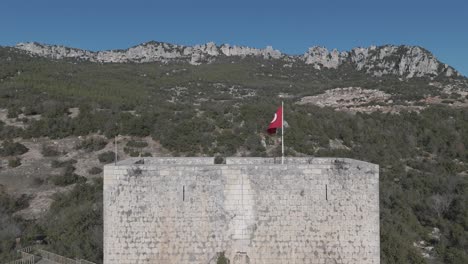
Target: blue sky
(290, 26)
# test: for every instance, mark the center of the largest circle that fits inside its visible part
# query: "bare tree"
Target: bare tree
(440, 203)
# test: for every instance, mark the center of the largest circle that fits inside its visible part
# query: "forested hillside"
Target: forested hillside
(65, 114)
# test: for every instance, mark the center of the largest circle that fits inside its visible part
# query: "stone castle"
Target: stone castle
(249, 210)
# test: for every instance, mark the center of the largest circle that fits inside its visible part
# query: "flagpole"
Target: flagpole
(115, 150)
(282, 133)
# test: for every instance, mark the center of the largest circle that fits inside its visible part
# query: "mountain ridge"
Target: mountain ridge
(401, 60)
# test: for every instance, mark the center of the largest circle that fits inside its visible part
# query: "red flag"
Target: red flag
(276, 122)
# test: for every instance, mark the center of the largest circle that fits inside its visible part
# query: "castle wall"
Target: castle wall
(321, 210)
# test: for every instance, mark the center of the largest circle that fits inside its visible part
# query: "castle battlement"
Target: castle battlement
(255, 210)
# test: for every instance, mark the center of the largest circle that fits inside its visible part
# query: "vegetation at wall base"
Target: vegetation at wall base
(92, 144)
(94, 170)
(222, 259)
(106, 157)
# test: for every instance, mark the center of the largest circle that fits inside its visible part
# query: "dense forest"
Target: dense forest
(222, 109)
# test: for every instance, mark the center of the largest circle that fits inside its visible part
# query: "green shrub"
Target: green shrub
(49, 151)
(74, 223)
(62, 164)
(67, 179)
(37, 181)
(15, 162)
(133, 148)
(219, 160)
(455, 256)
(106, 157)
(222, 259)
(10, 148)
(9, 204)
(22, 202)
(92, 144)
(94, 170)
(131, 152)
(11, 225)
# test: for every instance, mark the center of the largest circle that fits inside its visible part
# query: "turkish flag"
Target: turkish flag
(276, 122)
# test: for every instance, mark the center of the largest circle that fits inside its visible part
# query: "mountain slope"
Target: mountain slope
(404, 61)
(392, 105)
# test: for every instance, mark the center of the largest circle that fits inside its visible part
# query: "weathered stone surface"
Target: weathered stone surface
(188, 210)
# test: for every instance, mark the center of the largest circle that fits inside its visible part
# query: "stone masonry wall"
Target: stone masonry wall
(309, 210)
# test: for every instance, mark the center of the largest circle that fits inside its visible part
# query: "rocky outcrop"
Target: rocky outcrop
(404, 61)
(150, 52)
(320, 57)
(346, 97)
(54, 51)
(357, 99)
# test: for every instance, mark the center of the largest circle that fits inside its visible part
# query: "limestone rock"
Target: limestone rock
(404, 61)
(321, 57)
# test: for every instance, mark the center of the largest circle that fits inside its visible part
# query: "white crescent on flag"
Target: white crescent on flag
(276, 122)
(274, 118)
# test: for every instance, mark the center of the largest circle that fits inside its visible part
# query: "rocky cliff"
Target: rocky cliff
(404, 61)
(407, 61)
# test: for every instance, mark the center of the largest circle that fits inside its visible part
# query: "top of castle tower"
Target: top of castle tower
(205, 161)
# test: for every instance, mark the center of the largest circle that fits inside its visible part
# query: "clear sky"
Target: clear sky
(290, 26)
